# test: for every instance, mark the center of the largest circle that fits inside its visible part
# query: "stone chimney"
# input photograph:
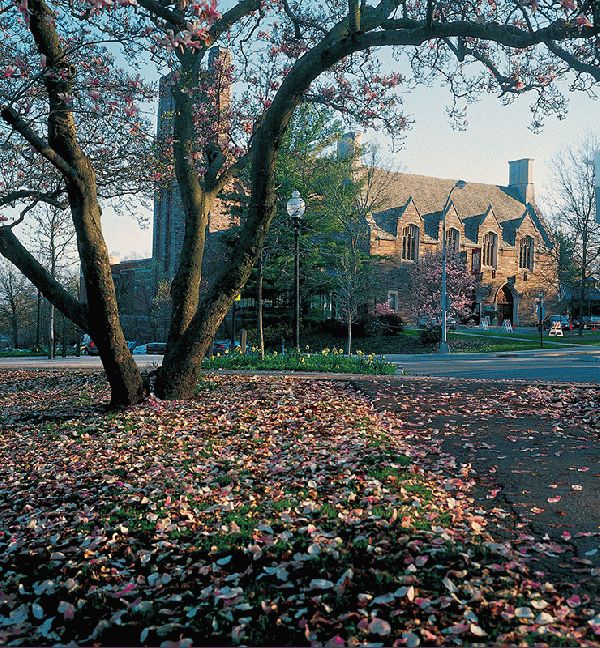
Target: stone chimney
(520, 177)
(597, 184)
(348, 144)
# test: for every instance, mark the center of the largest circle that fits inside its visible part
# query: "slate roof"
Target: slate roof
(472, 224)
(471, 202)
(431, 224)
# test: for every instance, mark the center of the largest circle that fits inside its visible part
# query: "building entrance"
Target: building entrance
(505, 304)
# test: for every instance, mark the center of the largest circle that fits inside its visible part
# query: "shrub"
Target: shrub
(430, 335)
(385, 321)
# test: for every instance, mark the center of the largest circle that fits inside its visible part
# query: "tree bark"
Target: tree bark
(63, 335)
(63, 150)
(584, 263)
(15, 328)
(196, 200)
(51, 333)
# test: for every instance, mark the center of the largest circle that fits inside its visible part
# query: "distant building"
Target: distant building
(169, 217)
(137, 281)
(497, 230)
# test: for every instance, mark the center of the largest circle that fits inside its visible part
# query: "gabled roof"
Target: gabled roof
(510, 228)
(472, 202)
(387, 220)
(431, 224)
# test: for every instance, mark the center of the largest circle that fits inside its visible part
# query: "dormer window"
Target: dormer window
(490, 250)
(410, 243)
(452, 240)
(526, 253)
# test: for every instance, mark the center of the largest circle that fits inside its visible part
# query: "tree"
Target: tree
(54, 78)
(307, 162)
(360, 190)
(425, 278)
(285, 53)
(52, 233)
(16, 301)
(573, 201)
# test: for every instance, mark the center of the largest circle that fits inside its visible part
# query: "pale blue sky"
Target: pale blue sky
(495, 134)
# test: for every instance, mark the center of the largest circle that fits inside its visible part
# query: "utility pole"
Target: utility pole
(295, 209)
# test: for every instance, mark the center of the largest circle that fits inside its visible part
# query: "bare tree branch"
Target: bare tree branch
(11, 117)
(13, 250)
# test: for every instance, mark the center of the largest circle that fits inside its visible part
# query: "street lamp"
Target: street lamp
(444, 348)
(295, 209)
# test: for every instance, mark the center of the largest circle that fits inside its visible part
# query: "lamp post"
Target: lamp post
(295, 209)
(444, 348)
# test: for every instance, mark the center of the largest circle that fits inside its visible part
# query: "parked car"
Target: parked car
(589, 322)
(549, 322)
(88, 346)
(156, 348)
(222, 346)
(140, 349)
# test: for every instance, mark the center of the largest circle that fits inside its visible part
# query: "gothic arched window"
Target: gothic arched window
(410, 243)
(490, 250)
(452, 240)
(526, 253)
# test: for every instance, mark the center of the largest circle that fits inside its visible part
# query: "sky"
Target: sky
(495, 135)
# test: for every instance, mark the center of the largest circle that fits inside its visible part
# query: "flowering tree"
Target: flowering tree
(59, 86)
(426, 281)
(283, 52)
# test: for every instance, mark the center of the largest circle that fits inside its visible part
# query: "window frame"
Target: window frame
(452, 240)
(410, 242)
(393, 294)
(489, 248)
(526, 253)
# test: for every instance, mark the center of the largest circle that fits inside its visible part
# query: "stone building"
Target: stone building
(498, 231)
(137, 282)
(169, 217)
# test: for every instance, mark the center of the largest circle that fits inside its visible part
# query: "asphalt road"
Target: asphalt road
(565, 365)
(72, 362)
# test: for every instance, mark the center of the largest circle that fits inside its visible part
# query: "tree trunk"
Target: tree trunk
(15, 329)
(121, 370)
(64, 152)
(51, 333)
(63, 334)
(349, 342)
(177, 377)
(259, 308)
(195, 199)
(584, 262)
(38, 322)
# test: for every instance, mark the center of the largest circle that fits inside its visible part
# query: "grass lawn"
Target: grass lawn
(266, 511)
(479, 341)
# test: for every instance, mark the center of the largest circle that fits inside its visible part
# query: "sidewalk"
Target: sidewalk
(592, 350)
(501, 336)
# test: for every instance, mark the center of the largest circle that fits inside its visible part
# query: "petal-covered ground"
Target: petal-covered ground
(268, 510)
